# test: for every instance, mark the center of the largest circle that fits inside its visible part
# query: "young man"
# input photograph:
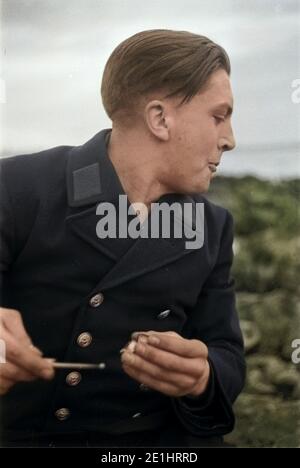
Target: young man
(75, 296)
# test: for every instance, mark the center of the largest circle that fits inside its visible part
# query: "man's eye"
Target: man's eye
(219, 118)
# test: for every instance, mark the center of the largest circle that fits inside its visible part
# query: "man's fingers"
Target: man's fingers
(24, 361)
(158, 373)
(13, 323)
(14, 373)
(35, 350)
(136, 334)
(149, 381)
(5, 385)
(174, 343)
(26, 358)
(168, 362)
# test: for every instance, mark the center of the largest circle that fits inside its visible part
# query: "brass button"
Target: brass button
(62, 414)
(164, 314)
(73, 378)
(84, 339)
(96, 300)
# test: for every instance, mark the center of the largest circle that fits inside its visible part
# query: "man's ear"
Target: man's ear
(157, 120)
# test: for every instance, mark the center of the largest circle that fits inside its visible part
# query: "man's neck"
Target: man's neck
(137, 167)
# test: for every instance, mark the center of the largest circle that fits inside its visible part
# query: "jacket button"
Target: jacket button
(164, 314)
(84, 339)
(73, 378)
(62, 414)
(96, 300)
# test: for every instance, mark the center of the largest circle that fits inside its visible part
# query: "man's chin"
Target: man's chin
(196, 187)
(201, 188)
(205, 184)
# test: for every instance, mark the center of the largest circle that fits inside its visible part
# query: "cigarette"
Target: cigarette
(78, 365)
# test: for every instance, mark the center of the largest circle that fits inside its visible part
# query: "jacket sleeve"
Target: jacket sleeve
(214, 321)
(18, 209)
(7, 230)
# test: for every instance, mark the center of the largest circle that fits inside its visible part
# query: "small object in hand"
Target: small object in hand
(132, 346)
(78, 365)
(129, 347)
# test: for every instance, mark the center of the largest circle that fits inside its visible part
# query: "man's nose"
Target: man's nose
(227, 141)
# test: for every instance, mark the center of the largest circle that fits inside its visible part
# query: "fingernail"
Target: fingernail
(142, 339)
(137, 335)
(153, 340)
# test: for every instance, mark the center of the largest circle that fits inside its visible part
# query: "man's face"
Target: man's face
(199, 133)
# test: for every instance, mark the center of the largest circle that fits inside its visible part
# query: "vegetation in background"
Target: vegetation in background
(267, 273)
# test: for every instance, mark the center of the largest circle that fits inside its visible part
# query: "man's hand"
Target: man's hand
(168, 363)
(24, 362)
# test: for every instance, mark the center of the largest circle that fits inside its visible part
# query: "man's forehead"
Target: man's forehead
(218, 90)
(217, 79)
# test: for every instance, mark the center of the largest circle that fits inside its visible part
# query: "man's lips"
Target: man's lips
(213, 166)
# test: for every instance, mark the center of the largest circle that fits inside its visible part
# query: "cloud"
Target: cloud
(55, 52)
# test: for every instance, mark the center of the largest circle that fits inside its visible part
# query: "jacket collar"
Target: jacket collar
(91, 176)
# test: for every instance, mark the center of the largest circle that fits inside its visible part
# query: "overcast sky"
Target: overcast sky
(53, 53)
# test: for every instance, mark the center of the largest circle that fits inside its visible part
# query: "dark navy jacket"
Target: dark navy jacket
(53, 265)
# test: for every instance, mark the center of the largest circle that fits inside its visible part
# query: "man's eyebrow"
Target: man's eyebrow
(227, 107)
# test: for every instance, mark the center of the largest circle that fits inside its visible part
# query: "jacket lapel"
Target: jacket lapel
(145, 255)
